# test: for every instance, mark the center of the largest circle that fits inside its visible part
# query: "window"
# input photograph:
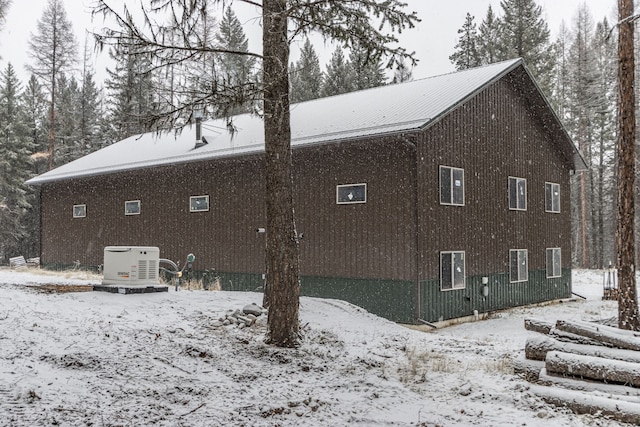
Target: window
(551, 197)
(518, 265)
(452, 270)
(451, 186)
(351, 193)
(198, 203)
(79, 211)
(554, 263)
(132, 207)
(517, 194)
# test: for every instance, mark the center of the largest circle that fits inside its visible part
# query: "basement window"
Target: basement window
(452, 270)
(451, 186)
(554, 263)
(198, 203)
(518, 265)
(351, 193)
(79, 211)
(517, 194)
(132, 207)
(551, 197)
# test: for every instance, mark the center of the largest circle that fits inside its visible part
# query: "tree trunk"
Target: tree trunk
(615, 391)
(628, 317)
(601, 334)
(594, 368)
(537, 348)
(587, 403)
(282, 287)
(538, 325)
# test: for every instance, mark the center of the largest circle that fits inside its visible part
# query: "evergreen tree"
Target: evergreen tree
(306, 75)
(234, 70)
(366, 69)
(53, 50)
(403, 73)
(488, 34)
(35, 110)
(525, 34)
(339, 75)
(467, 53)
(15, 150)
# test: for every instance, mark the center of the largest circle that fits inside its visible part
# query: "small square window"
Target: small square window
(518, 265)
(552, 197)
(79, 211)
(517, 194)
(451, 186)
(554, 263)
(132, 207)
(452, 270)
(351, 193)
(198, 203)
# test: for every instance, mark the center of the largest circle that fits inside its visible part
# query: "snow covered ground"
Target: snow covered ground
(100, 359)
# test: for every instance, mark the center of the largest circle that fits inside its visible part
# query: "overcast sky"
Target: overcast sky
(433, 40)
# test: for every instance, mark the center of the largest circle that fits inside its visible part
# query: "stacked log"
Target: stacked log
(586, 367)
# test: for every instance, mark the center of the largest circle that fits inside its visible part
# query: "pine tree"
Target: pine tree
(338, 78)
(53, 50)
(306, 75)
(403, 72)
(525, 34)
(35, 110)
(366, 69)
(4, 9)
(234, 70)
(467, 53)
(15, 150)
(488, 34)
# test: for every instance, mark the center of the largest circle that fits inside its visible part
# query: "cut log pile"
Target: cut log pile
(586, 367)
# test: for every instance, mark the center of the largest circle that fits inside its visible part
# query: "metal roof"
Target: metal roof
(378, 111)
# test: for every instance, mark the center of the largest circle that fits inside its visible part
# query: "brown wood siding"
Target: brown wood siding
(371, 240)
(493, 136)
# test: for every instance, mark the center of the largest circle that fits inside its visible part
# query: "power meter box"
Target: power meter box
(131, 265)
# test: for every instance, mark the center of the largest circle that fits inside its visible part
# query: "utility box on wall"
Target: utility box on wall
(131, 265)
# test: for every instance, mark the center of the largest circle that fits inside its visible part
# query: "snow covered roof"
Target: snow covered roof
(383, 110)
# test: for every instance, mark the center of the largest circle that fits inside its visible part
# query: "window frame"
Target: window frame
(202, 196)
(556, 270)
(452, 277)
(350, 202)
(549, 186)
(519, 252)
(517, 180)
(84, 211)
(451, 200)
(128, 203)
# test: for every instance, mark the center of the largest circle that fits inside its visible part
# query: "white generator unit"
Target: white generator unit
(131, 265)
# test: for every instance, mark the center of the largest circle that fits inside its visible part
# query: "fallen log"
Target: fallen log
(538, 325)
(537, 347)
(587, 403)
(528, 369)
(598, 333)
(607, 328)
(576, 339)
(595, 368)
(613, 391)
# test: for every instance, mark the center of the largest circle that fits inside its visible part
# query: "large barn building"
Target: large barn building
(422, 201)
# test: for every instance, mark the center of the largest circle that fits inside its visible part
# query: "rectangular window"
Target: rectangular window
(518, 265)
(198, 203)
(79, 211)
(351, 193)
(554, 263)
(552, 197)
(451, 186)
(517, 194)
(132, 207)
(452, 272)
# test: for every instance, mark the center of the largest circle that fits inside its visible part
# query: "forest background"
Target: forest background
(63, 105)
